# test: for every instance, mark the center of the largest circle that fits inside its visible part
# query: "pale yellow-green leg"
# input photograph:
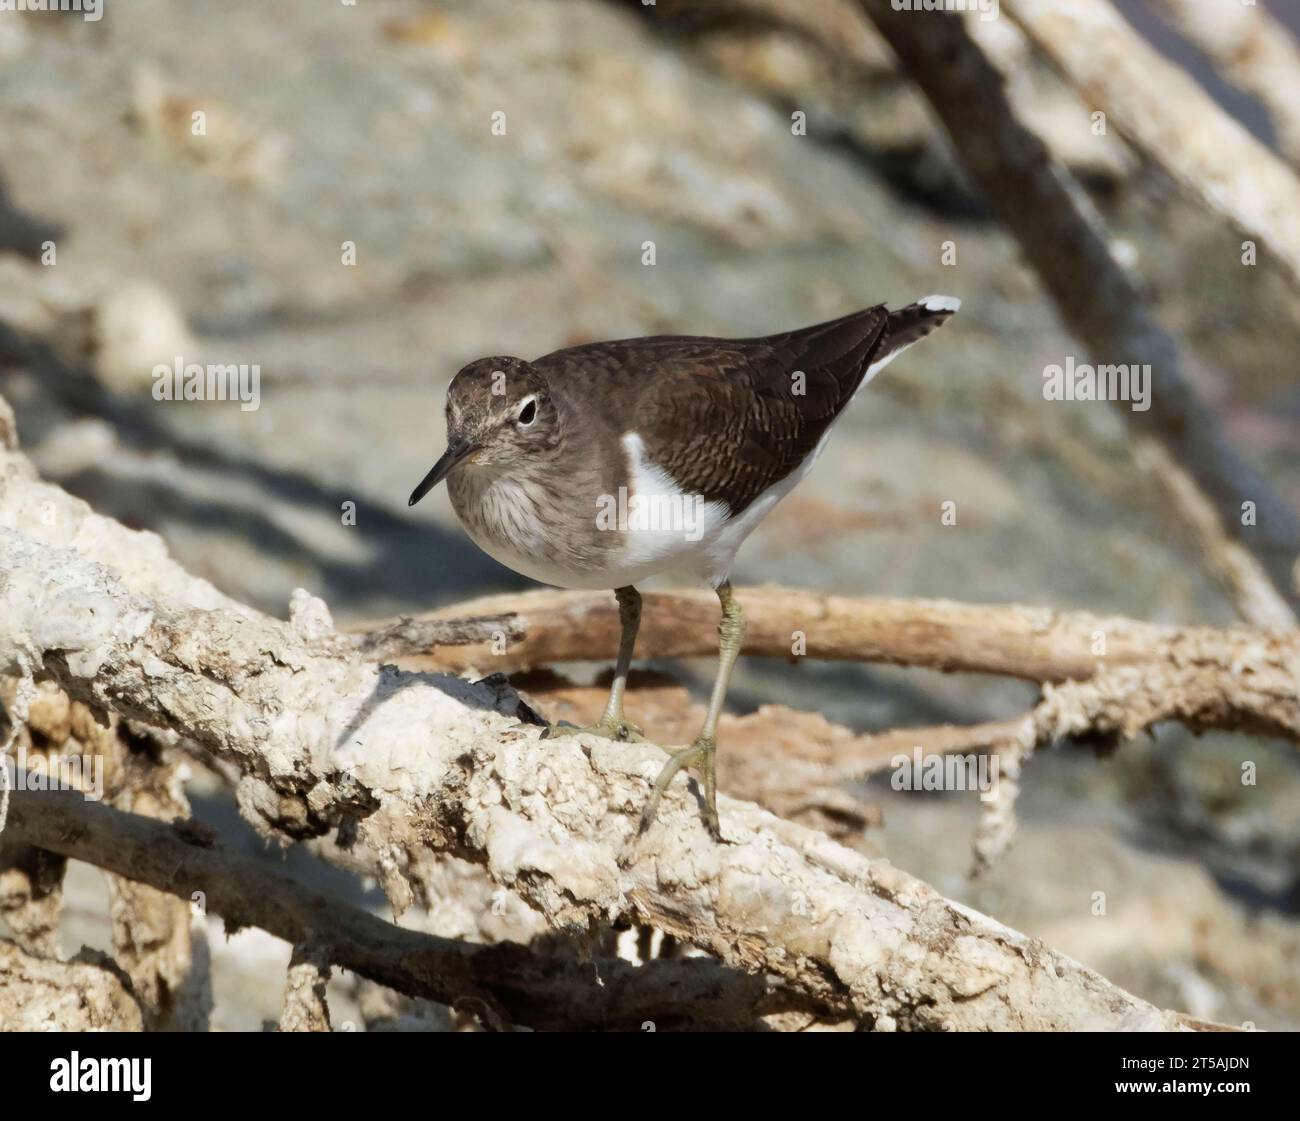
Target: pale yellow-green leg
(612, 725)
(731, 633)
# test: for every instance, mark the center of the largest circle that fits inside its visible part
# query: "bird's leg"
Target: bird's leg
(612, 724)
(629, 618)
(731, 633)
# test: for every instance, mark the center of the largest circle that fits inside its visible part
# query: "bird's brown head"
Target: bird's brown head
(499, 411)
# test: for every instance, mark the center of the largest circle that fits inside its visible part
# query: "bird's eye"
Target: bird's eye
(528, 412)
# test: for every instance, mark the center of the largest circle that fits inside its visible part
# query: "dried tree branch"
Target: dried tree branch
(151, 930)
(402, 763)
(1122, 701)
(1237, 569)
(1062, 236)
(554, 820)
(40, 994)
(512, 981)
(1032, 643)
(31, 896)
(1161, 108)
(404, 635)
(1251, 49)
(304, 989)
(870, 754)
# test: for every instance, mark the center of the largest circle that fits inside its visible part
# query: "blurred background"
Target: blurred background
(329, 123)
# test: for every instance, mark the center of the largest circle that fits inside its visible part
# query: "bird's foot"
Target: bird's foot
(607, 727)
(703, 752)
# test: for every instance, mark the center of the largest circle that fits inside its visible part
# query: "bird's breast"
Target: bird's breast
(530, 526)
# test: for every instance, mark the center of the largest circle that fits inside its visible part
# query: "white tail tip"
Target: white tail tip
(940, 303)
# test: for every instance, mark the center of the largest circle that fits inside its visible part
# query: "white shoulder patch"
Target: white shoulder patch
(664, 525)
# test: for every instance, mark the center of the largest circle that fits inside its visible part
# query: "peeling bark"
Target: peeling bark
(1032, 643)
(404, 763)
(304, 990)
(508, 982)
(31, 897)
(37, 994)
(410, 761)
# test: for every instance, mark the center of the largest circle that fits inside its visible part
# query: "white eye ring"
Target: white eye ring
(527, 407)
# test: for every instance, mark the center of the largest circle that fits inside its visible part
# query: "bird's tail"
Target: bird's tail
(909, 325)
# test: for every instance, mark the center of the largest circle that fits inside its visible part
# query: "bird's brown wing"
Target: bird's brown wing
(728, 418)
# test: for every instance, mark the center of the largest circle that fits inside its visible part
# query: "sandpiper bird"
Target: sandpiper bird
(601, 465)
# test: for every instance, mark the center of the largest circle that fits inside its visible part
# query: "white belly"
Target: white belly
(602, 541)
(652, 528)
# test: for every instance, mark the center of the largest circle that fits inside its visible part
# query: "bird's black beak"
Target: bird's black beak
(456, 451)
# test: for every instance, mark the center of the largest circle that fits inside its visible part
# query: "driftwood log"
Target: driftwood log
(397, 763)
